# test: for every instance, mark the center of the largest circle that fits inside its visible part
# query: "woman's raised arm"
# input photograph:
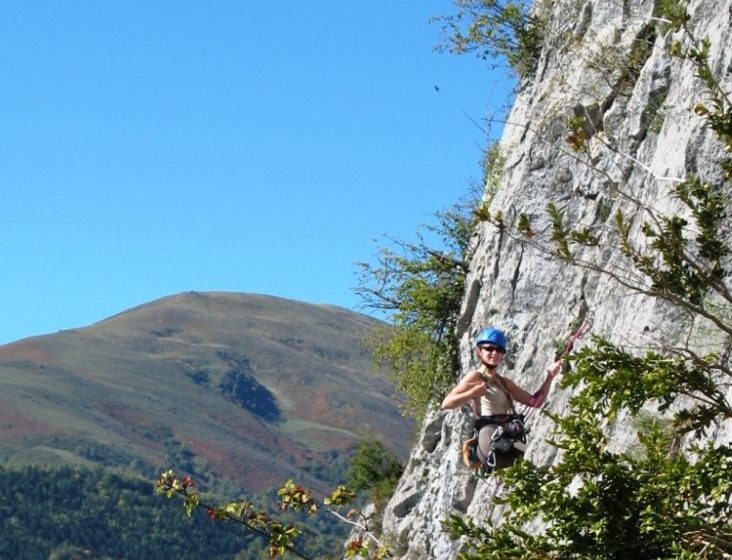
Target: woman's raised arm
(470, 387)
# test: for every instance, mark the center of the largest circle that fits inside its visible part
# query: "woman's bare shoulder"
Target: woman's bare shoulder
(473, 375)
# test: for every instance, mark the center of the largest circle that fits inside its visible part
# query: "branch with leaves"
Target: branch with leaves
(280, 536)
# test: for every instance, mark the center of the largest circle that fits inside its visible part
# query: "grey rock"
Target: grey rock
(642, 140)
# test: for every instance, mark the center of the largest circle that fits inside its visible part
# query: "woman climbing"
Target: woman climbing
(492, 394)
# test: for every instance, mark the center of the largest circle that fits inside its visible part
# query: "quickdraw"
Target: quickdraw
(579, 333)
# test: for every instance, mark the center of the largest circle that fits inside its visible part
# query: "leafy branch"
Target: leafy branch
(496, 30)
(280, 536)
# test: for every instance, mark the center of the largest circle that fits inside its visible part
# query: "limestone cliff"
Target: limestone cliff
(607, 63)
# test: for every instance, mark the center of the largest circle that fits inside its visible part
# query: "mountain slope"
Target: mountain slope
(247, 389)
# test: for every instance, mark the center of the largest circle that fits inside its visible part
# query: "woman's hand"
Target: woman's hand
(538, 398)
(555, 368)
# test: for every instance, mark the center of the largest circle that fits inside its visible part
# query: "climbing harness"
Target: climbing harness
(507, 443)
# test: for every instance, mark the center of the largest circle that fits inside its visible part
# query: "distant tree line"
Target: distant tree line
(67, 513)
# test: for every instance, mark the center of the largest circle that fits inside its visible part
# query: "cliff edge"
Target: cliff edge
(605, 74)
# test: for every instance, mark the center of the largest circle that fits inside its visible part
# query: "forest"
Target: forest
(68, 513)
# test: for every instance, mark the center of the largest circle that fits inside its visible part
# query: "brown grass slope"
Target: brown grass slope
(243, 388)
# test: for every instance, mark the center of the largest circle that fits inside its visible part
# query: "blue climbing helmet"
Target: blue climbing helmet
(492, 335)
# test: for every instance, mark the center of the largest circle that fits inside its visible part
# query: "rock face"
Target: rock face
(606, 63)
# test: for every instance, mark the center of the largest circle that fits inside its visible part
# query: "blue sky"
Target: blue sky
(151, 148)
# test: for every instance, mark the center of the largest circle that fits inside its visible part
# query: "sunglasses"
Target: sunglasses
(491, 348)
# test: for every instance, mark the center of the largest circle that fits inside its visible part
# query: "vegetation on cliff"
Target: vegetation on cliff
(510, 30)
(420, 286)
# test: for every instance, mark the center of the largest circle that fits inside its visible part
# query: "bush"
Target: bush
(496, 30)
(420, 288)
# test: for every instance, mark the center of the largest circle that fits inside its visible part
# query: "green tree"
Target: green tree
(420, 287)
(373, 467)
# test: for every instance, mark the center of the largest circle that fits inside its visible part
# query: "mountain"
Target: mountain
(235, 389)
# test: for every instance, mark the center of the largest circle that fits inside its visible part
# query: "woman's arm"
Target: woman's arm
(535, 400)
(470, 387)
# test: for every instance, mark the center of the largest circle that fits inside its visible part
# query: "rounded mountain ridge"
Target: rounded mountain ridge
(248, 388)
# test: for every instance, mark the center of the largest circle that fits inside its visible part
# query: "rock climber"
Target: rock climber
(491, 394)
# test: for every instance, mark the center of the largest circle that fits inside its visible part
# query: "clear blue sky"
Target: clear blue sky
(150, 148)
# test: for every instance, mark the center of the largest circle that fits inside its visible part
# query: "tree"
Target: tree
(509, 30)
(419, 286)
(373, 467)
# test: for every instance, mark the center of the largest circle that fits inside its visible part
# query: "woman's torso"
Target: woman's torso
(496, 400)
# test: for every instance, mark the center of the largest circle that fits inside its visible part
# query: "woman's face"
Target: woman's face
(490, 355)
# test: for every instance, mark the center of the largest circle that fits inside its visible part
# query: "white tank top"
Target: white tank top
(496, 400)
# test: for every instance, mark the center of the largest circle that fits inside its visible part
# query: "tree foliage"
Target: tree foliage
(420, 285)
(373, 467)
(505, 30)
(655, 503)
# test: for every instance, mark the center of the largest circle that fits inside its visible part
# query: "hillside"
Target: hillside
(247, 390)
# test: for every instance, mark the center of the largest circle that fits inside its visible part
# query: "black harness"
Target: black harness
(515, 422)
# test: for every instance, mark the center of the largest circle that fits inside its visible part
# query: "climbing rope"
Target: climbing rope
(567, 350)
(579, 333)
